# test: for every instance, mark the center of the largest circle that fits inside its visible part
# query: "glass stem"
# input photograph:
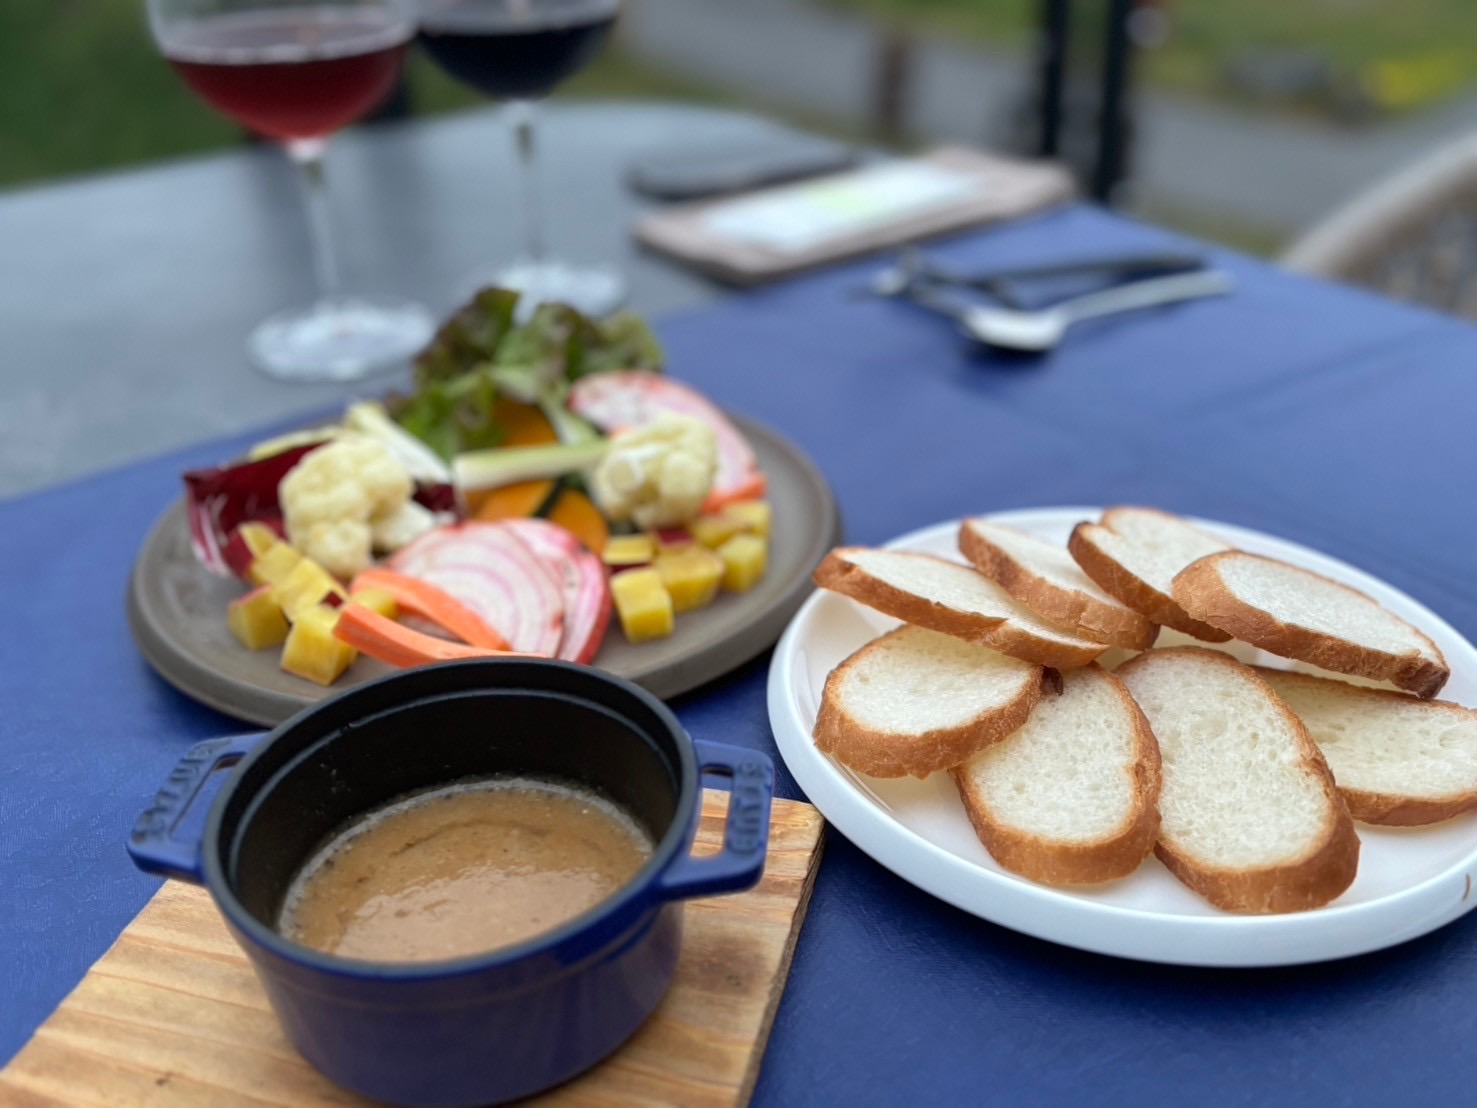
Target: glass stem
(307, 154)
(533, 215)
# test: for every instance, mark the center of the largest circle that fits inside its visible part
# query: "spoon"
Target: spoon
(1044, 329)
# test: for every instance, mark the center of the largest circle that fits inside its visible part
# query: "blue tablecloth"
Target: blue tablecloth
(1325, 415)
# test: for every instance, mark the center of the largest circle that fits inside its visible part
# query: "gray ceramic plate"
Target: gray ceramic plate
(177, 609)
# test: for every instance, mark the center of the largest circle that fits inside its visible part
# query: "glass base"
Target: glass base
(594, 290)
(342, 339)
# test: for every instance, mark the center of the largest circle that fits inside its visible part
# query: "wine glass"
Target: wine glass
(296, 71)
(519, 50)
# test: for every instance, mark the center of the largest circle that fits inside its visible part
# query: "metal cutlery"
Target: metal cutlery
(1014, 329)
(913, 269)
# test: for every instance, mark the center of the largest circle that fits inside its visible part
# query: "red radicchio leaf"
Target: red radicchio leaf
(220, 500)
(437, 498)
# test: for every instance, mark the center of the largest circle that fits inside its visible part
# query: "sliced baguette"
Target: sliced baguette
(1249, 815)
(915, 702)
(1134, 554)
(1070, 798)
(1295, 613)
(1399, 761)
(954, 599)
(1045, 578)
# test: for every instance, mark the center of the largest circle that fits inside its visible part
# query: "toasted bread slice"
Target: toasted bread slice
(1045, 578)
(1134, 553)
(952, 598)
(1399, 761)
(1295, 613)
(1071, 798)
(1249, 815)
(915, 702)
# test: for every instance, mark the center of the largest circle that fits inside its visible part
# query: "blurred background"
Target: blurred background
(1244, 122)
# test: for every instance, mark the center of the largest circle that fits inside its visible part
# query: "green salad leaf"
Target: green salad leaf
(626, 342)
(471, 334)
(483, 349)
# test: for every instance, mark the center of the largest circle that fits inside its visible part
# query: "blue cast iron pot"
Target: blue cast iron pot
(495, 1026)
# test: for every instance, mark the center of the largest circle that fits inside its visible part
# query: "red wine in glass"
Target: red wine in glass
(296, 73)
(513, 50)
(292, 73)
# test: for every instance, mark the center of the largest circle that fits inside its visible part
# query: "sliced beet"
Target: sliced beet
(582, 578)
(487, 567)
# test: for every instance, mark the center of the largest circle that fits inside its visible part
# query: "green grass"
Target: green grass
(83, 88)
(1405, 53)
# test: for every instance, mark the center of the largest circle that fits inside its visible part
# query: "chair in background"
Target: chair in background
(1412, 236)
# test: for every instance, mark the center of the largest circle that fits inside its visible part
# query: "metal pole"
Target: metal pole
(1113, 122)
(1055, 26)
(891, 83)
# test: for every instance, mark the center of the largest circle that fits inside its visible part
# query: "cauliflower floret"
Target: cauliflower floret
(401, 527)
(331, 496)
(659, 474)
(340, 546)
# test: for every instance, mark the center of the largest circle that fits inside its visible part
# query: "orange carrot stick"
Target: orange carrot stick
(420, 598)
(397, 645)
(753, 488)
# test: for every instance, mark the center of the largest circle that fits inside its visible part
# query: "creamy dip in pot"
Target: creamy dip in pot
(463, 870)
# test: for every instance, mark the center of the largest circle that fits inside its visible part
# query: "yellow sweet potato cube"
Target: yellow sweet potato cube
(714, 531)
(745, 558)
(257, 620)
(306, 585)
(376, 600)
(751, 515)
(643, 604)
(274, 564)
(258, 537)
(628, 550)
(691, 576)
(312, 651)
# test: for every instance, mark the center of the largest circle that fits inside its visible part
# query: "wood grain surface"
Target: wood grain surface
(174, 1015)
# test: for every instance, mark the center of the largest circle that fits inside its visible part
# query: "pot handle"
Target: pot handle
(153, 845)
(745, 832)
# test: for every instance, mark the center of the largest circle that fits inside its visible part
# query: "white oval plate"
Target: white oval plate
(1409, 881)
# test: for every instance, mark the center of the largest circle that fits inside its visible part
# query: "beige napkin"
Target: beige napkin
(777, 231)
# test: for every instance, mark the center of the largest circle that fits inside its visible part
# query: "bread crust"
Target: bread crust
(1392, 809)
(895, 754)
(1115, 625)
(1055, 862)
(1201, 590)
(1320, 875)
(1116, 580)
(1383, 810)
(838, 574)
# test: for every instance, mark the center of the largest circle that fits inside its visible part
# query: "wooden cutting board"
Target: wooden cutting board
(174, 1015)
